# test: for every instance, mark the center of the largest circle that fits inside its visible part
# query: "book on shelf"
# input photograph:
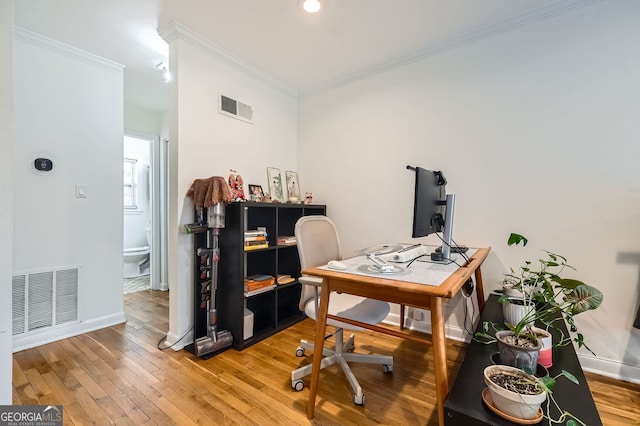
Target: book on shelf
(255, 238)
(258, 286)
(258, 277)
(285, 279)
(256, 247)
(258, 281)
(255, 233)
(258, 291)
(286, 240)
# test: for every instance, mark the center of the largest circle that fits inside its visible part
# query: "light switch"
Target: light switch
(81, 191)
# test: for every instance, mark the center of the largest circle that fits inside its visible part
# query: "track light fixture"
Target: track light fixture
(165, 71)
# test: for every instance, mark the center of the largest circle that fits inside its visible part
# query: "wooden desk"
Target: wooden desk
(402, 289)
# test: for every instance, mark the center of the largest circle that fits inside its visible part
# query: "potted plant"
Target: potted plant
(548, 298)
(555, 298)
(519, 395)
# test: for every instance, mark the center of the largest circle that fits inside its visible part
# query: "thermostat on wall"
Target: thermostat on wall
(43, 164)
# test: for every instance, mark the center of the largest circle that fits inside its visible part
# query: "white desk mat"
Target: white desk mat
(419, 272)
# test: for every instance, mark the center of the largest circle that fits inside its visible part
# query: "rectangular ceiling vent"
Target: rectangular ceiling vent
(232, 108)
(44, 300)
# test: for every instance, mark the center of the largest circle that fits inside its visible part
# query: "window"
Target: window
(129, 191)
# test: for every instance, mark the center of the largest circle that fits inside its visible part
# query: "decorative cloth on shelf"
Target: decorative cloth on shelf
(209, 191)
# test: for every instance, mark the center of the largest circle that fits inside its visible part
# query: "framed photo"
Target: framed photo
(255, 192)
(275, 184)
(293, 186)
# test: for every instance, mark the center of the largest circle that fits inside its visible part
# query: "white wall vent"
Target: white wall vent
(232, 108)
(44, 299)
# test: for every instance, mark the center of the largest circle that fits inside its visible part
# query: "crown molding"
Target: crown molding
(457, 41)
(24, 35)
(175, 30)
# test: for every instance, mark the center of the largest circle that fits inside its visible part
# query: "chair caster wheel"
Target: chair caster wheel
(358, 400)
(300, 352)
(387, 368)
(298, 385)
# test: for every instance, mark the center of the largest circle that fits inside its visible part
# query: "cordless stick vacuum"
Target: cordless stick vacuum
(215, 340)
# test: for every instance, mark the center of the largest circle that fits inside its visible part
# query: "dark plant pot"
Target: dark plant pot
(518, 356)
(541, 370)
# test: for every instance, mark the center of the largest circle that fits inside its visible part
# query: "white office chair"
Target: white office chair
(318, 243)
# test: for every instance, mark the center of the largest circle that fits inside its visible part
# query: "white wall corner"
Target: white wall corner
(176, 342)
(47, 43)
(474, 35)
(6, 197)
(176, 30)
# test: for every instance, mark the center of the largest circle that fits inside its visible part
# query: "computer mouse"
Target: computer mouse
(336, 264)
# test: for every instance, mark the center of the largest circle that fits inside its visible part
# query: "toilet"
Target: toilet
(135, 258)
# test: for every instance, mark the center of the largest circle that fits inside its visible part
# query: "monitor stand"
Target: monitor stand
(448, 228)
(442, 254)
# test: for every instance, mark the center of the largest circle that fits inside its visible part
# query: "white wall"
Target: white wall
(68, 106)
(6, 198)
(205, 143)
(536, 131)
(142, 120)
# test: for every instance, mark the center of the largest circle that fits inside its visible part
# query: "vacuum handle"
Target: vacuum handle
(212, 326)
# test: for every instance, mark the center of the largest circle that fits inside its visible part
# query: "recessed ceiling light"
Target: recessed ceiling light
(311, 6)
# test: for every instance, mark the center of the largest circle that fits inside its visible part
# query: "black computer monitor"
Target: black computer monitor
(429, 202)
(433, 209)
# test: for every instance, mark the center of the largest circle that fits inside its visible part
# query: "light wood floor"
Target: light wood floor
(119, 376)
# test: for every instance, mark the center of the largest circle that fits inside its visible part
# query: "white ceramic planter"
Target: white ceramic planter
(514, 312)
(524, 407)
(511, 292)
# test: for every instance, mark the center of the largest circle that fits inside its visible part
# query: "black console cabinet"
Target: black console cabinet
(464, 404)
(272, 310)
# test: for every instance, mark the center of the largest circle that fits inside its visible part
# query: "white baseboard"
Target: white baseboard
(53, 334)
(176, 342)
(610, 368)
(452, 332)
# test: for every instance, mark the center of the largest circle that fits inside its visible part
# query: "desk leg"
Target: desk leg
(479, 289)
(439, 355)
(321, 326)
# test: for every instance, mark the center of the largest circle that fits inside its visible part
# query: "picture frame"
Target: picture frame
(293, 187)
(255, 192)
(275, 184)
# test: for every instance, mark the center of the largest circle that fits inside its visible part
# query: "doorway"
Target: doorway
(142, 201)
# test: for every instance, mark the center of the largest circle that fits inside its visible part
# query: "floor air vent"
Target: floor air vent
(235, 109)
(44, 299)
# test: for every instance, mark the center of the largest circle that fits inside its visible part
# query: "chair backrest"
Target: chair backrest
(318, 243)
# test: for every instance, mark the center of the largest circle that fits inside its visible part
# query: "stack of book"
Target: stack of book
(286, 240)
(254, 240)
(258, 283)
